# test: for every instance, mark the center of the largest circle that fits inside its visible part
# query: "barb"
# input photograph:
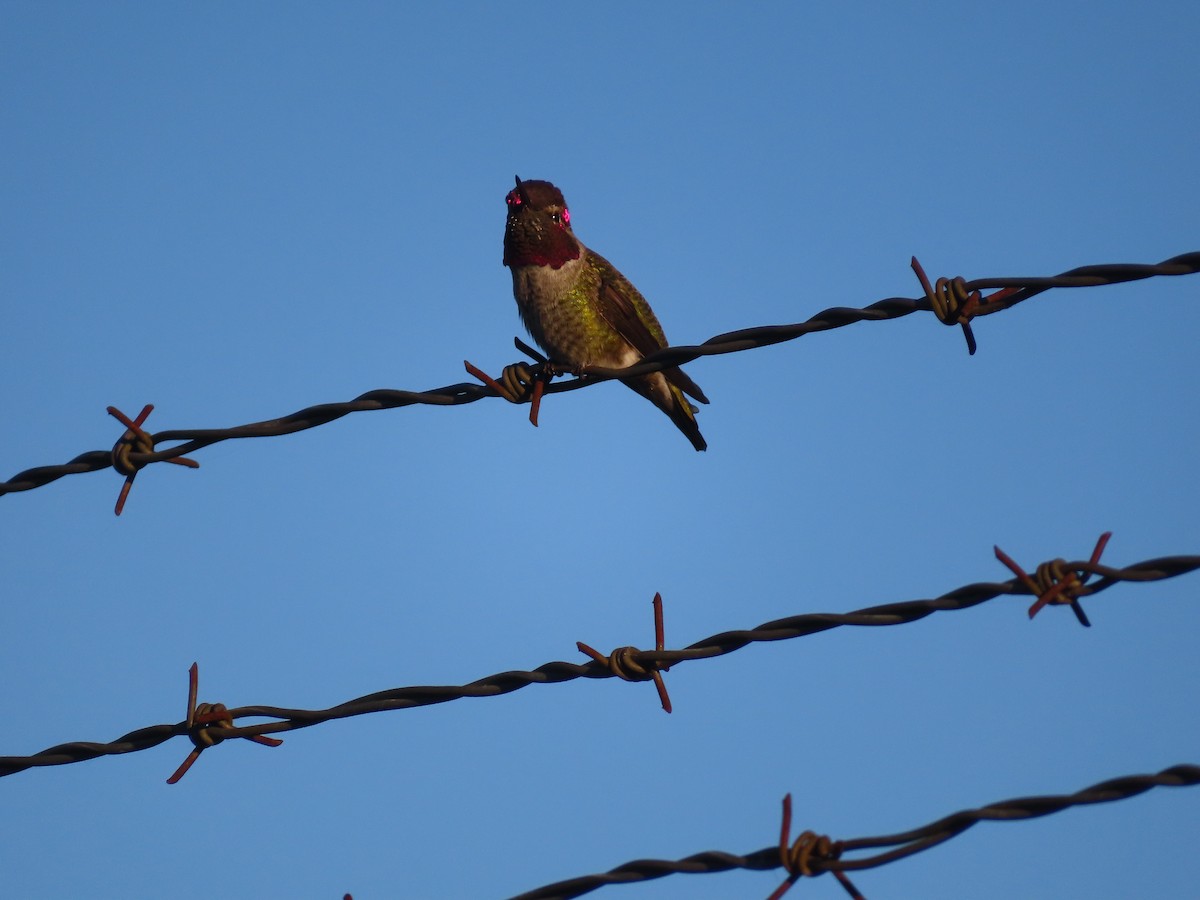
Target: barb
(1056, 582)
(287, 719)
(905, 844)
(520, 382)
(623, 662)
(1016, 290)
(205, 723)
(809, 849)
(955, 304)
(122, 452)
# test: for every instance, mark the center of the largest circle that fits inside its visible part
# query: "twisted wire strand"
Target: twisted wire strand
(288, 719)
(731, 342)
(905, 844)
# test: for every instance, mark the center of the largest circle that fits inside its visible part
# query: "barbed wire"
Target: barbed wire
(955, 302)
(210, 724)
(814, 854)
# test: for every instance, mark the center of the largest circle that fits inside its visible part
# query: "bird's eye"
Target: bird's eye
(561, 218)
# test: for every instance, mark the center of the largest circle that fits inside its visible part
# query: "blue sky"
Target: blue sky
(234, 211)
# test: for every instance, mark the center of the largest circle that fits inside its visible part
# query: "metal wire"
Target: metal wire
(905, 844)
(1017, 290)
(288, 719)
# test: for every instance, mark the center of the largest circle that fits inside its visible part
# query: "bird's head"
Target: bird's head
(538, 229)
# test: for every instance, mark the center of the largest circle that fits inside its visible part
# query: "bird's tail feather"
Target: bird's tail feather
(668, 397)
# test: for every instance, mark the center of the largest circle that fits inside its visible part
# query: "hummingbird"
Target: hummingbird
(580, 309)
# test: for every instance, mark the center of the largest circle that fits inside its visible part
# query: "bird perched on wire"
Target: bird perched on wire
(580, 309)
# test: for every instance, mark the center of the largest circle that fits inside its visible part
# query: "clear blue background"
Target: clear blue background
(237, 210)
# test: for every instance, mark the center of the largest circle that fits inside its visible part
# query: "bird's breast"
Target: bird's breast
(558, 307)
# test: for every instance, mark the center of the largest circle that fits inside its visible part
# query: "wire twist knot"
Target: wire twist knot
(1057, 581)
(519, 381)
(623, 662)
(809, 847)
(208, 722)
(134, 440)
(951, 302)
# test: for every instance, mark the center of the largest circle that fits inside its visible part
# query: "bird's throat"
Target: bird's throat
(554, 249)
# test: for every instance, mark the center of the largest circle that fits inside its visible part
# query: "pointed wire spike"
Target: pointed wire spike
(124, 495)
(970, 336)
(1047, 598)
(184, 766)
(486, 379)
(661, 686)
(785, 835)
(785, 831)
(1100, 545)
(921, 276)
(592, 652)
(847, 885)
(193, 691)
(1029, 583)
(529, 351)
(1076, 607)
(660, 644)
(1002, 294)
(1014, 568)
(131, 424)
(539, 388)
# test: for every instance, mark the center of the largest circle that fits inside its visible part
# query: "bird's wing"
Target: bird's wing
(626, 311)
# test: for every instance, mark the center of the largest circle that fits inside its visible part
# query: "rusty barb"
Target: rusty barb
(135, 440)
(520, 382)
(953, 304)
(1057, 581)
(624, 662)
(205, 722)
(809, 849)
